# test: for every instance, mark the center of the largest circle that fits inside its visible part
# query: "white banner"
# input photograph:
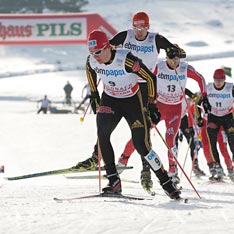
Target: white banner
(42, 29)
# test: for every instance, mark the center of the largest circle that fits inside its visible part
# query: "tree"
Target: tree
(41, 6)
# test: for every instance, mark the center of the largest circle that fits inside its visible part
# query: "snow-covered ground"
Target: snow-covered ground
(33, 143)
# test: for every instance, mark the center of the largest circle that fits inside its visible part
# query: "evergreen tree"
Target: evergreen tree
(41, 6)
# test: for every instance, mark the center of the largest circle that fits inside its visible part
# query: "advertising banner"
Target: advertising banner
(51, 29)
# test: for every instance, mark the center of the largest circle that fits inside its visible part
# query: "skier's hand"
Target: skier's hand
(206, 104)
(195, 98)
(175, 52)
(200, 122)
(94, 101)
(182, 53)
(198, 143)
(180, 136)
(154, 113)
(190, 132)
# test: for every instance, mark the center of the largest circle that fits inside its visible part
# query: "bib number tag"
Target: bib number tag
(153, 160)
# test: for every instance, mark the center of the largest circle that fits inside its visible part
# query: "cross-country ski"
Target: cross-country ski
(104, 195)
(59, 172)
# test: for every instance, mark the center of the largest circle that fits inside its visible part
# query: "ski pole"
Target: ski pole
(82, 118)
(99, 168)
(195, 156)
(177, 161)
(185, 159)
(187, 107)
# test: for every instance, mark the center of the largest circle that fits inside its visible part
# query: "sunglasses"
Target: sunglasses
(140, 28)
(97, 52)
(219, 80)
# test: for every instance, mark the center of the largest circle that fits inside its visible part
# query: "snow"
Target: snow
(33, 143)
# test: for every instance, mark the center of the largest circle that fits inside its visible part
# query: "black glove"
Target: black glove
(154, 113)
(190, 132)
(94, 101)
(200, 122)
(180, 136)
(173, 52)
(206, 104)
(181, 53)
(195, 98)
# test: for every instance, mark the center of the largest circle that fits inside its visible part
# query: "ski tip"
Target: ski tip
(57, 200)
(186, 200)
(181, 199)
(124, 167)
(6, 178)
(152, 193)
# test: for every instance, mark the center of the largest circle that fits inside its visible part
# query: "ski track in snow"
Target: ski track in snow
(33, 143)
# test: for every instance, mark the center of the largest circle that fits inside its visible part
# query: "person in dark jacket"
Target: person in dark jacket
(68, 90)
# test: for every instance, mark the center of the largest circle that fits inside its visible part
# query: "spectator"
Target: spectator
(68, 90)
(45, 105)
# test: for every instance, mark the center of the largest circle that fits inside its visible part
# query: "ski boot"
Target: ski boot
(145, 178)
(114, 185)
(146, 181)
(197, 171)
(173, 174)
(123, 161)
(88, 164)
(212, 170)
(217, 173)
(171, 190)
(231, 174)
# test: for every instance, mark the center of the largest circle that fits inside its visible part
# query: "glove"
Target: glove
(206, 104)
(195, 98)
(182, 53)
(94, 101)
(198, 143)
(200, 122)
(173, 52)
(190, 132)
(180, 136)
(154, 113)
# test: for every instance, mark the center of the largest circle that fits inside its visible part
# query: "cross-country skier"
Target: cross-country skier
(221, 97)
(171, 75)
(187, 129)
(119, 70)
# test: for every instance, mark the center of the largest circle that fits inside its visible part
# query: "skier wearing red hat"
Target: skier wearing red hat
(221, 97)
(119, 70)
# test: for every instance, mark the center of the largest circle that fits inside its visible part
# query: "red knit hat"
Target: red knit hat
(219, 74)
(140, 19)
(97, 40)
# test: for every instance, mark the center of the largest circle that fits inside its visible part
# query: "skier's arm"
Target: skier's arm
(193, 74)
(92, 79)
(118, 39)
(163, 43)
(91, 76)
(134, 65)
